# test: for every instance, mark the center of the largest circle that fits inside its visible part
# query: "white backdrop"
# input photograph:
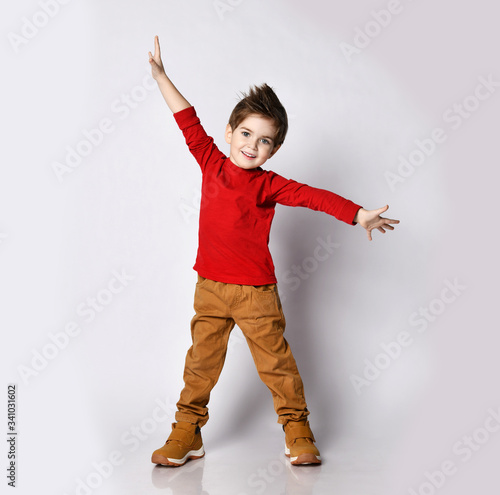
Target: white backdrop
(389, 103)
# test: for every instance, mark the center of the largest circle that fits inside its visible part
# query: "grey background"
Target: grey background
(131, 205)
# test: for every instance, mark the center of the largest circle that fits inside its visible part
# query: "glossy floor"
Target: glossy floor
(249, 466)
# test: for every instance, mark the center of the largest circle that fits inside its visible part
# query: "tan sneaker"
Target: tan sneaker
(299, 443)
(183, 443)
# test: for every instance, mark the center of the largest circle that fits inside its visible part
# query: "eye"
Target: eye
(265, 141)
(245, 133)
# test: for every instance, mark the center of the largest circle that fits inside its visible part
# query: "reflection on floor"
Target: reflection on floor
(245, 468)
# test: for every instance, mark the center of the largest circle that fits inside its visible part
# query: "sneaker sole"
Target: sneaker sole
(303, 459)
(168, 461)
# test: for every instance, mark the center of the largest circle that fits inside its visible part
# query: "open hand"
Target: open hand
(157, 69)
(371, 219)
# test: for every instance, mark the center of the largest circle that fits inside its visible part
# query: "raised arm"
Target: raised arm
(175, 101)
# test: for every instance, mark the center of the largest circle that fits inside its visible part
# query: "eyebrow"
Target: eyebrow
(266, 137)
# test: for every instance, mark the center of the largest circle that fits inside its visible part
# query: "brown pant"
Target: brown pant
(258, 313)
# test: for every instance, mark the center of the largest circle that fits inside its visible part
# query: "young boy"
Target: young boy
(236, 280)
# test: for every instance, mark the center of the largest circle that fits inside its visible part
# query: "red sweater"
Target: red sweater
(237, 208)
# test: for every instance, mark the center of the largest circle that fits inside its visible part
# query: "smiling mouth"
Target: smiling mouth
(248, 155)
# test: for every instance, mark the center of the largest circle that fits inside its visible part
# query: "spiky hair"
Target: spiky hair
(261, 100)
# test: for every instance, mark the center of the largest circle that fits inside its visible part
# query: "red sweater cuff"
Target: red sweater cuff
(184, 116)
(349, 212)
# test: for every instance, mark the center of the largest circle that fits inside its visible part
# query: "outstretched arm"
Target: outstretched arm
(175, 101)
(371, 219)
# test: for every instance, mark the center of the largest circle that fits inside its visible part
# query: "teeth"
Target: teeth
(248, 154)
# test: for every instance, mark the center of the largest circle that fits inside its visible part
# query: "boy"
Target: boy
(236, 280)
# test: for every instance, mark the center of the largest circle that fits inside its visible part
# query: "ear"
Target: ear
(228, 134)
(274, 150)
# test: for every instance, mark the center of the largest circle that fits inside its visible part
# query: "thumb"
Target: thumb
(381, 210)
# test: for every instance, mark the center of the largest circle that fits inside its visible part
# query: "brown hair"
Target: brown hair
(261, 100)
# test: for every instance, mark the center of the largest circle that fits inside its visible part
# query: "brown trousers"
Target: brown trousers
(258, 313)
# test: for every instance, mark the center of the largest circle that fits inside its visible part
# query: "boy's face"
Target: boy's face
(252, 142)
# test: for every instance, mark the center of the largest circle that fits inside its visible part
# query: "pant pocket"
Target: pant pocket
(201, 281)
(271, 288)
